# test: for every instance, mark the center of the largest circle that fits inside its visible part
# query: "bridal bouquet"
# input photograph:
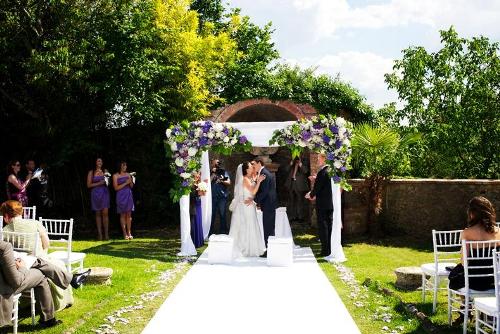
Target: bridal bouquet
(132, 174)
(202, 188)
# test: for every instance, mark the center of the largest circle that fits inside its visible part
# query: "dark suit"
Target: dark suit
(13, 281)
(297, 186)
(322, 190)
(267, 199)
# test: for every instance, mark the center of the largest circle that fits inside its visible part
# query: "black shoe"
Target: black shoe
(264, 255)
(49, 323)
(78, 279)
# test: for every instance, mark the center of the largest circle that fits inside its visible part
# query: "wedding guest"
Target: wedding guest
(99, 197)
(15, 277)
(481, 226)
(15, 186)
(123, 184)
(297, 185)
(33, 191)
(220, 182)
(196, 213)
(322, 193)
(14, 222)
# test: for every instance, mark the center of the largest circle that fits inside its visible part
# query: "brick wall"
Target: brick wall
(416, 206)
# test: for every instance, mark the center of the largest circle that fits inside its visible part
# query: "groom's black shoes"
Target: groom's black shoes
(264, 255)
(78, 279)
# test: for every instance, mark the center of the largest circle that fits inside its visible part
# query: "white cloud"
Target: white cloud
(471, 17)
(364, 70)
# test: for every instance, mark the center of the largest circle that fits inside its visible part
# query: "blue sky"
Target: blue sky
(359, 39)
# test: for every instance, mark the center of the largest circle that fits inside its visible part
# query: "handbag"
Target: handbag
(457, 277)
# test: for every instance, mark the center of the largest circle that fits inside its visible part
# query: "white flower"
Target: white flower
(192, 151)
(198, 133)
(226, 140)
(179, 162)
(340, 122)
(185, 175)
(218, 127)
(233, 141)
(168, 133)
(218, 135)
(202, 186)
(173, 146)
(302, 143)
(337, 164)
(210, 135)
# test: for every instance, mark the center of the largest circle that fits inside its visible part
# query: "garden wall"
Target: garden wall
(416, 206)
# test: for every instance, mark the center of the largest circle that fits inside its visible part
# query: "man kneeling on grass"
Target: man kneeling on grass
(15, 277)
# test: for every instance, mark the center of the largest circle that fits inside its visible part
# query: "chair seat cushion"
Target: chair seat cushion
(474, 293)
(430, 269)
(486, 305)
(63, 256)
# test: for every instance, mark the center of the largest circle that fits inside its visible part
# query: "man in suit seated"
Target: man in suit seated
(16, 278)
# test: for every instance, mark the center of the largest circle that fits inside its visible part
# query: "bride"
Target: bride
(245, 228)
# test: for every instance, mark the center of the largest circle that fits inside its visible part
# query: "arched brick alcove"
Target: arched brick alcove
(265, 110)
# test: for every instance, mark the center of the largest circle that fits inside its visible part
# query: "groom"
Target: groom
(266, 198)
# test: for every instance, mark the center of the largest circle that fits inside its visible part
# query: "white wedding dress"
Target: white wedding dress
(245, 228)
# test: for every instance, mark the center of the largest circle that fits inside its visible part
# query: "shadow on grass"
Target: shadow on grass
(164, 247)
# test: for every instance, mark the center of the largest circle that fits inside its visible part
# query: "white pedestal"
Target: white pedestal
(220, 249)
(279, 252)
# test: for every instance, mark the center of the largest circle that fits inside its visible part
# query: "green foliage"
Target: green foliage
(380, 150)
(452, 96)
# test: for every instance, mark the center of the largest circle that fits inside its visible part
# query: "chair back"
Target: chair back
(22, 241)
(60, 233)
(447, 245)
(1, 224)
(496, 271)
(478, 259)
(29, 212)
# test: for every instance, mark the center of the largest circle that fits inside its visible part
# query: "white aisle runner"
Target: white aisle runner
(250, 297)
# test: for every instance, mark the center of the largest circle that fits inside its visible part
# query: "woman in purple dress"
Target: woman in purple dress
(99, 198)
(15, 187)
(123, 184)
(196, 214)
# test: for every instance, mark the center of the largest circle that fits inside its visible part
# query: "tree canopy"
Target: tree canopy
(453, 97)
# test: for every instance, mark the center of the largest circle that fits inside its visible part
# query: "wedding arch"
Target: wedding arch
(188, 145)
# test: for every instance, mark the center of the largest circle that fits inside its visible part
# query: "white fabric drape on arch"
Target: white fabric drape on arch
(206, 201)
(259, 134)
(337, 253)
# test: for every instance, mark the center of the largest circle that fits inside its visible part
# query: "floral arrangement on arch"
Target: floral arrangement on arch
(324, 134)
(187, 140)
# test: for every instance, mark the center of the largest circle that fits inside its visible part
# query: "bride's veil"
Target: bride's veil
(238, 188)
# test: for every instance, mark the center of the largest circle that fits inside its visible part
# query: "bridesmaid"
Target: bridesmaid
(99, 198)
(123, 184)
(196, 214)
(16, 188)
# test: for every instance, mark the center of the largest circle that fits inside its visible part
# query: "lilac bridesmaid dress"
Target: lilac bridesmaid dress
(99, 196)
(124, 199)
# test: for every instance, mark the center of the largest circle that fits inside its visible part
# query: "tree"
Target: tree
(452, 96)
(378, 152)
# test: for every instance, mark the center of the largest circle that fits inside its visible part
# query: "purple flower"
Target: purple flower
(336, 179)
(338, 144)
(206, 127)
(184, 154)
(343, 169)
(289, 141)
(317, 126)
(176, 130)
(179, 146)
(334, 129)
(330, 156)
(185, 183)
(306, 135)
(225, 130)
(180, 170)
(191, 133)
(326, 139)
(203, 141)
(243, 140)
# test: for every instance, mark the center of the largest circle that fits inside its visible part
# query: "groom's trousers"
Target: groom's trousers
(325, 230)
(268, 221)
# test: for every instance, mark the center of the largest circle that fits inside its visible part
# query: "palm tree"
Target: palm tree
(378, 152)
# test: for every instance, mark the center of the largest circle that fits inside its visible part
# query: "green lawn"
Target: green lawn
(138, 265)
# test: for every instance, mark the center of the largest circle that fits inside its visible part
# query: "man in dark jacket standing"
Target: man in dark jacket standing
(322, 193)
